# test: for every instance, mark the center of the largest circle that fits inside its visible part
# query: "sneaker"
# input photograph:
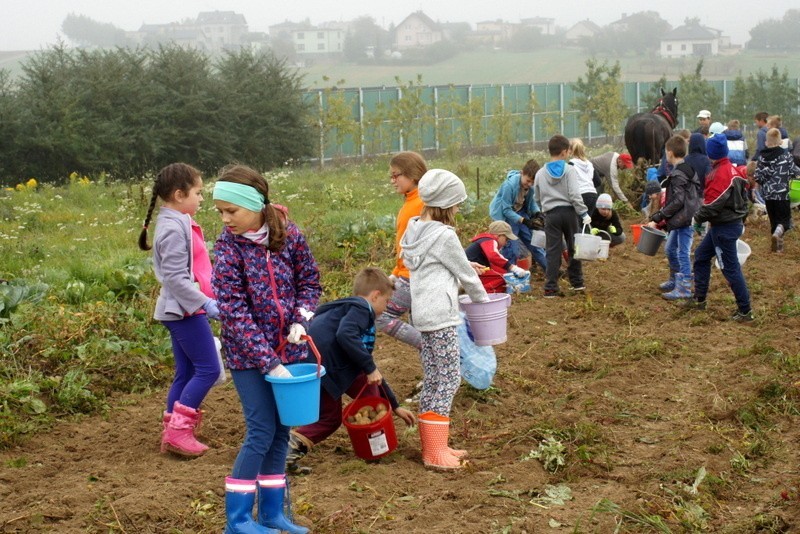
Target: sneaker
(579, 287)
(693, 304)
(743, 317)
(297, 449)
(553, 293)
(777, 239)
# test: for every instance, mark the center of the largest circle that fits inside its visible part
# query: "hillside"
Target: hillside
(545, 66)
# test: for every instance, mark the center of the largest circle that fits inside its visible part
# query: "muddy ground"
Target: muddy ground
(643, 396)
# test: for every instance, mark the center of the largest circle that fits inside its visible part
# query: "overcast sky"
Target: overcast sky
(35, 24)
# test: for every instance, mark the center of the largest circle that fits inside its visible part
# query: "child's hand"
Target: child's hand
(374, 378)
(479, 269)
(407, 417)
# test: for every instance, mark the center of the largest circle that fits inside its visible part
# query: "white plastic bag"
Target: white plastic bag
(478, 364)
(222, 375)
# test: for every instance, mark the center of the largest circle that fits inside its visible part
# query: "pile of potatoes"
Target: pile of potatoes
(367, 414)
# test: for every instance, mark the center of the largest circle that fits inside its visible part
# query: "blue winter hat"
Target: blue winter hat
(717, 147)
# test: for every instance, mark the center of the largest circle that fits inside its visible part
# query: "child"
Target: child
(675, 216)
(585, 173)
(185, 302)
(485, 251)
(774, 169)
(605, 218)
(737, 144)
(344, 332)
(267, 286)
(557, 191)
(514, 204)
(725, 207)
(405, 170)
(609, 164)
(437, 263)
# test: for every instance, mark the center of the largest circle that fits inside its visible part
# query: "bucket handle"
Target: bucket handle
(314, 351)
(347, 409)
(583, 229)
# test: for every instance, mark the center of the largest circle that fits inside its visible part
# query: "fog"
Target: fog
(35, 24)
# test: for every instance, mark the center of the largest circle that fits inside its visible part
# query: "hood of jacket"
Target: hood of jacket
(484, 235)
(347, 301)
(733, 135)
(584, 167)
(697, 144)
(420, 236)
(771, 153)
(556, 168)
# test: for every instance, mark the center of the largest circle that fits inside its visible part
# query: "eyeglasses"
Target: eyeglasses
(394, 175)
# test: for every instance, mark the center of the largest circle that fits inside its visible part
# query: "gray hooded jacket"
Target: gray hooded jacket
(437, 263)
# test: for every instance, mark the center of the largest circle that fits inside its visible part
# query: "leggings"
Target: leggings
(196, 362)
(440, 370)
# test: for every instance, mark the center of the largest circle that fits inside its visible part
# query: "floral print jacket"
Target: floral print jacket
(260, 295)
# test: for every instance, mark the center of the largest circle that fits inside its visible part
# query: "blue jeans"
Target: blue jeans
(196, 362)
(678, 250)
(720, 242)
(266, 440)
(512, 252)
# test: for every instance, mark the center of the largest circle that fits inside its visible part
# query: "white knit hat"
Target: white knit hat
(439, 188)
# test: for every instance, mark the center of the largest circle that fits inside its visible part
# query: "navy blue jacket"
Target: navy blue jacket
(344, 333)
(698, 159)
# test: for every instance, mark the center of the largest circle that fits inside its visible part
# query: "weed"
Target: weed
(550, 452)
(739, 463)
(791, 308)
(653, 522)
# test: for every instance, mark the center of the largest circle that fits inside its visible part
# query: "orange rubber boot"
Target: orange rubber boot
(434, 431)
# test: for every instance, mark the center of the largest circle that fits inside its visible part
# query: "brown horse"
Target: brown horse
(646, 133)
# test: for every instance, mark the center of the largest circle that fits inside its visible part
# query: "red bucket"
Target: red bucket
(636, 230)
(376, 439)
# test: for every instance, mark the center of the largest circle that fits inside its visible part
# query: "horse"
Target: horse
(646, 133)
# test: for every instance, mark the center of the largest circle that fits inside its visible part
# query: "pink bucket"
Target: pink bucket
(487, 320)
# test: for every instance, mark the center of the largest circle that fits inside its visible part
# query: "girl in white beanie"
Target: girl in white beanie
(437, 263)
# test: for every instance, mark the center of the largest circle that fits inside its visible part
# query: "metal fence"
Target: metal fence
(367, 121)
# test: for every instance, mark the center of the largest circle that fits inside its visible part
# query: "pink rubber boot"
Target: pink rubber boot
(179, 434)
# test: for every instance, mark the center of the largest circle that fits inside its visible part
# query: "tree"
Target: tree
(87, 32)
(365, 40)
(774, 34)
(600, 96)
(773, 93)
(695, 93)
(526, 40)
(639, 33)
(263, 114)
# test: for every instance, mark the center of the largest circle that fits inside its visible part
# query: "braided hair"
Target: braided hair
(242, 174)
(173, 177)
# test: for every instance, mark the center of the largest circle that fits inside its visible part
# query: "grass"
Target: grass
(548, 65)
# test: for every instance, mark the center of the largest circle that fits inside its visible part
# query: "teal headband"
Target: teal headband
(242, 195)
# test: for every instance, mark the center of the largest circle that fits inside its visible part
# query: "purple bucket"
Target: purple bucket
(487, 320)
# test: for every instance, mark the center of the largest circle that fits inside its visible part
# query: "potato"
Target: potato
(351, 419)
(364, 410)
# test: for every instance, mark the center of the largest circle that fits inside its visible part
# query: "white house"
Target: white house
(581, 29)
(416, 31)
(318, 41)
(690, 40)
(222, 29)
(494, 31)
(546, 25)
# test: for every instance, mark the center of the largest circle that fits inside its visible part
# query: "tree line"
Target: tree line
(126, 112)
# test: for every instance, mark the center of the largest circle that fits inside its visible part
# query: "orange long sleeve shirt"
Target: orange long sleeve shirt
(411, 208)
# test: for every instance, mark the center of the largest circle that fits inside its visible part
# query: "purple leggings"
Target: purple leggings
(196, 364)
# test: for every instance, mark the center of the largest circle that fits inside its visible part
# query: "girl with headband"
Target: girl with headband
(267, 286)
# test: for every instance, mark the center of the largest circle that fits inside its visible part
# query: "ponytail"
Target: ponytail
(277, 228)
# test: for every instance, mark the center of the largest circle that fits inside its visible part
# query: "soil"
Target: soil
(641, 393)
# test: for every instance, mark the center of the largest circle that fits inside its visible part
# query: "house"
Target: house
(581, 29)
(314, 41)
(546, 25)
(691, 40)
(494, 32)
(223, 30)
(211, 31)
(417, 30)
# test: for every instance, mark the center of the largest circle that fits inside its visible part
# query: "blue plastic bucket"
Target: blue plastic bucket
(298, 397)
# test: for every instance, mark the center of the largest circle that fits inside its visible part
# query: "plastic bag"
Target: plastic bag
(478, 364)
(515, 284)
(222, 376)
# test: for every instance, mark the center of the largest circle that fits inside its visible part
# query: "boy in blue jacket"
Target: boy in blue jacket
(344, 333)
(514, 204)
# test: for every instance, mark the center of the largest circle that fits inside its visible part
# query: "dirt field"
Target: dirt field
(644, 397)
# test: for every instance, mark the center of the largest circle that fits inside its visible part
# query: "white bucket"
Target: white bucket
(742, 252)
(539, 238)
(586, 246)
(602, 252)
